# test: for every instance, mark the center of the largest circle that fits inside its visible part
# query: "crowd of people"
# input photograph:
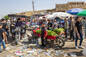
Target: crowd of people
(73, 27)
(10, 30)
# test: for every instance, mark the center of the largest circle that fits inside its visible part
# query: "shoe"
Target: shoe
(0, 51)
(80, 47)
(76, 47)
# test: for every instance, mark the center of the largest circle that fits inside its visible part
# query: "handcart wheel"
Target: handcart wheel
(59, 42)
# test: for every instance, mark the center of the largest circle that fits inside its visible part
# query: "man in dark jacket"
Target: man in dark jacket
(49, 25)
(78, 31)
(18, 23)
(43, 34)
(5, 27)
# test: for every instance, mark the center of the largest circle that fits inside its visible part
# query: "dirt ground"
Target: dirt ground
(67, 49)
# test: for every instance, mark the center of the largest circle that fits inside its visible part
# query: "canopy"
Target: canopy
(82, 13)
(61, 15)
(50, 16)
(74, 11)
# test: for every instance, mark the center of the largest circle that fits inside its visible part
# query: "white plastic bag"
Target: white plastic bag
(84, 51)
(39, 41)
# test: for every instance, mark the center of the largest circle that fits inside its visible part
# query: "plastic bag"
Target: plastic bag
(39, 41)
(84, 51)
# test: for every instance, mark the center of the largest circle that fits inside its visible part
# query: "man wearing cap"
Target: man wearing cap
(2, 37)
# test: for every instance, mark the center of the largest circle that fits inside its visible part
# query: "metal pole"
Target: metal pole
(33, 6)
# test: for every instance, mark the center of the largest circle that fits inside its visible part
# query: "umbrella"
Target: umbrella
(82, 13)
(61, 15)
(74, 11)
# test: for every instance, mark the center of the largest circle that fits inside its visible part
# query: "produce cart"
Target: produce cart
(51, 37)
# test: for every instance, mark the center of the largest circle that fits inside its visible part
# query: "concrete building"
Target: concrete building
(59, 7)
(70, 5)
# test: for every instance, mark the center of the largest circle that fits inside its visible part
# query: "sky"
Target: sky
(17, 6)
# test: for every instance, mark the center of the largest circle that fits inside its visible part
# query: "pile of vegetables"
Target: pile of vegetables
(38, 31)
(49, 32)
(52, 33)
(58, 30)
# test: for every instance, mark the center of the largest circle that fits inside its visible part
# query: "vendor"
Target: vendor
(43, 34)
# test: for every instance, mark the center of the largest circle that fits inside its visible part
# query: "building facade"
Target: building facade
(59, 8)
(70, 5)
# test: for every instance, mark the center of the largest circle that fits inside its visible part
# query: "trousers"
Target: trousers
(81, 38)
(2, 43)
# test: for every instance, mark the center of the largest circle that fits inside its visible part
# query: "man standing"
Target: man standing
(55, 25)
(43, 34)
(66, 27)
(49, 25)
(18, 25)
(72, 24)
(5, 27)
(2, 38)
(78, 31)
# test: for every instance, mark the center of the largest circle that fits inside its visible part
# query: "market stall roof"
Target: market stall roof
(61, 15)
(50, 16)
(82, 13)
(74, 11)
(14, 15)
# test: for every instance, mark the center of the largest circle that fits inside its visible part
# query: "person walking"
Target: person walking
(72, 29)
(23, 29)
(12, 30)
(66, 27)
(2, 38)
(5, 27)
(78, 31)
(18, 26)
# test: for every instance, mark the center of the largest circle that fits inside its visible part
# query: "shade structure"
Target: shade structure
(50, 16)
(61, 15)
(74, 11)
(82, 13)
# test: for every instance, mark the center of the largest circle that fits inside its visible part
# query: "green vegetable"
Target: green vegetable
(50, 33)
(38, 31)
(58, 30)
